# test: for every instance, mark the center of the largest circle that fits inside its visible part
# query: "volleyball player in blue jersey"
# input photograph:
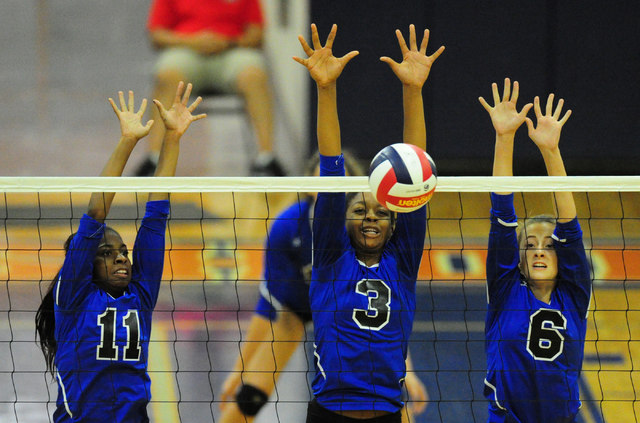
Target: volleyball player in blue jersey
(365, 259)
(94, 323)
(538, 283)
(282, 312)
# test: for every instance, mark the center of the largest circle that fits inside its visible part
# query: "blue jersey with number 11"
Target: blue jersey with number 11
(362, 315)
(103, 341)
(534, 349)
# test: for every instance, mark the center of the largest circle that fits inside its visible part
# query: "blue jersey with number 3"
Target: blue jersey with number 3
(534, 349)
(103, 341)
(362, 315)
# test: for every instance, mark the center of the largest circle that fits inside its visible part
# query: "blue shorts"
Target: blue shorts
(278, 296)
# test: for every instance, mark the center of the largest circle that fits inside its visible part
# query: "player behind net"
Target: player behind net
(539, 283)
(94, 322)
(365, 261)
(282, 312)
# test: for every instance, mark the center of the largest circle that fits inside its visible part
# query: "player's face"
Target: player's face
(368, 223)
(111, 266)
(538, 259)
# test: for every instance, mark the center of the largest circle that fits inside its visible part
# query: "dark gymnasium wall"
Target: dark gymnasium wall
(587, 52)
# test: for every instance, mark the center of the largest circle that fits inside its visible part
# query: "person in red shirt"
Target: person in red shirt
(215, 45)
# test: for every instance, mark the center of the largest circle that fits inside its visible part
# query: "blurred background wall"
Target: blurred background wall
(587, 52)
(61, 59)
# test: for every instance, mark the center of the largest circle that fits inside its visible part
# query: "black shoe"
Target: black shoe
(146, 168)
(270, 168)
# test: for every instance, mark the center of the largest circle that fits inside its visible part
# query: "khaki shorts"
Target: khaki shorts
(217, 72)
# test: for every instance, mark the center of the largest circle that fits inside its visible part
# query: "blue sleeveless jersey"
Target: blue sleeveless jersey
(287, 264)
(534, 349)
(362, 315)
(103, 341)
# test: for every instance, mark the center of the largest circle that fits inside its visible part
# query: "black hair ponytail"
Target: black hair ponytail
(46, 321)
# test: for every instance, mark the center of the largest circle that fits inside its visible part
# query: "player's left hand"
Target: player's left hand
(416, 65)
(131, 121)
(323, 66)
(546, 135)
(179, 116)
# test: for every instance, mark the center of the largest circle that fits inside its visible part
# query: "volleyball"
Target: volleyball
(402, 177)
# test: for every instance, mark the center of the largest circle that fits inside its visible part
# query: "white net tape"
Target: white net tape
(314, 184)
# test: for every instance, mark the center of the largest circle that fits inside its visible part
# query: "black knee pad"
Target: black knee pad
(250, 400)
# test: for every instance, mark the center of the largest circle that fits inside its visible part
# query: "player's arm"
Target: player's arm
(506, 120)
(176, 121)
(148, 250)
(76, 272)
(325, 69)
(573, 265)
(413, 72)
(503, 255)
(418, 395)
(132, 130)
(328, 225)
(546, 136)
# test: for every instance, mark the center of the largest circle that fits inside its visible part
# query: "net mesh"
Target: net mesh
(213, 269)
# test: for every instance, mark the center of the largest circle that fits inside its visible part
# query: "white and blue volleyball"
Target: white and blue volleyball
(402, 177)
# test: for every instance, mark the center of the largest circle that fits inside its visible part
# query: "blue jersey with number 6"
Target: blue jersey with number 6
(103, 341)
(534, 349)
(362, 315)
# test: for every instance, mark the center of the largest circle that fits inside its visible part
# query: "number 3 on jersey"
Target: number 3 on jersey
(108, 350)
(376, 316)
(545, 342)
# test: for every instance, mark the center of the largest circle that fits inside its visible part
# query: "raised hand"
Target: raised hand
(416, 65)
(546, 135)
(504, 115)
(323, 66)
(179, 116)
(131, 121)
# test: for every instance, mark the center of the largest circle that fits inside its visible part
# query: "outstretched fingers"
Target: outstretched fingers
(179, 90)
(536, 107)
(425, 42)
(437, 54)
(565, 117)
(515, 92)
(331, 37)
(143, 107)
(412, 38)
(131, 102)
(556, 114)
(401, 42)
(123, 105)
(315, 38)
(345, 59)
(305, 46)
(506, 94)
(114, 107)
(187, 94)
(484, 104)
(549, 107)
(496, 93)
(195, 104)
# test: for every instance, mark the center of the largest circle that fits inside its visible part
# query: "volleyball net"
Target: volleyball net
(213, 270)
